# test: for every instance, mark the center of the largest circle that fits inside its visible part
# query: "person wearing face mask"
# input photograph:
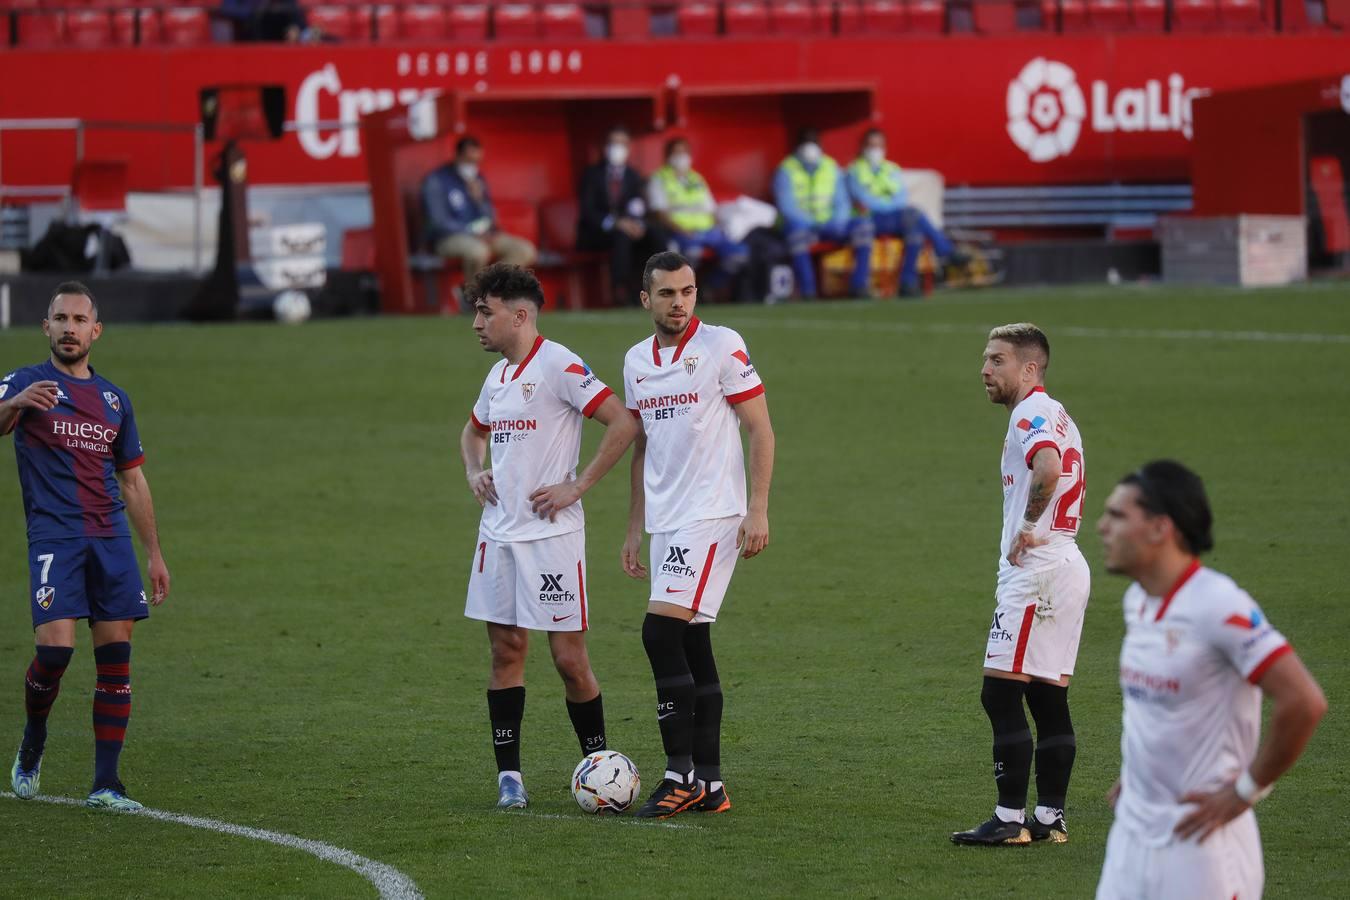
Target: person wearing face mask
(681, 199)
(878, 189)
(461, 222)
(612, 215)
(813, 204)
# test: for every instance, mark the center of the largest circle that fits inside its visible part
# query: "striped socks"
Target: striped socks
(112, 708)
(41, 685)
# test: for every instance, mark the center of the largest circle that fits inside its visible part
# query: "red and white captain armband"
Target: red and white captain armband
(1251, 792)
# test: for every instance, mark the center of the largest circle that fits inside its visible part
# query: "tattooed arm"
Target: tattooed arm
(1045, 472)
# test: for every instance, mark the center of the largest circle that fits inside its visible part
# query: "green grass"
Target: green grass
(313, 673)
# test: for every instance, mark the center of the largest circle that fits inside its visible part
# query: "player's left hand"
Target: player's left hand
(547, 502)
(159, 580)
(754, 534)
(1023, 542)
(1212, 812)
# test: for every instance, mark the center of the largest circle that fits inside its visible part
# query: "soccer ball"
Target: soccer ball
(291, 307)
(606, 783)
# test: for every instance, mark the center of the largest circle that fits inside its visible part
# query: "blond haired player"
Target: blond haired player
(692, 386)
(1198, 656)
(529, 565)
(1042, 593)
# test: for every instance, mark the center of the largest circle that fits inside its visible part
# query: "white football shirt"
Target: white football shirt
(695, 466)
(1188, 671)
(1040, 421)
(532, 415)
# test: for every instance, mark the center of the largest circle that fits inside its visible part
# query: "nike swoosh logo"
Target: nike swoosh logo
(561, 618)
(990, 655)
(676, 590)
(640, 380)
(666, 716)
(501, 743)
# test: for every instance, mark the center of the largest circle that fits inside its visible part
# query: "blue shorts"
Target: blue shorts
(97, 579)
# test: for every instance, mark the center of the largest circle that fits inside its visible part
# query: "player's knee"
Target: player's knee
(476, 254)
(1049, 705)
(574, 667)
(1002, 700)
(508, 651)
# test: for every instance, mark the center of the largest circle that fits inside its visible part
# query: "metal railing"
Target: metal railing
(79, 129)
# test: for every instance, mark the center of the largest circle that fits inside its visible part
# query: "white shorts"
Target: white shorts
(533, 584)
(1038, 620)
(692, 567)
(1228, 864)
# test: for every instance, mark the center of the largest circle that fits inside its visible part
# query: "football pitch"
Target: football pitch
(313, 675)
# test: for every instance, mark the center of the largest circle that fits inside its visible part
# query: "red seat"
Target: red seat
(1194, 15)
(1109, 15)
(42, 29)
(883, 16)
(994, 16)
(1149, 15)
(469, 22)
(562, 20)
(151, 29)
(21, 4)
(1070, 15)
(342, 23)
(848, 17)
(1241, 15)
(89, 28)
(386, 23)
(800, 17)
(185, 27)
(422, 22)
(358, 250)
(515, 21)
(746, 17)
(927, 16)
(696, 17)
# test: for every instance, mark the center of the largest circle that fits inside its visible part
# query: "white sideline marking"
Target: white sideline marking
(617, 820)
(390, 882)
(1178, 334)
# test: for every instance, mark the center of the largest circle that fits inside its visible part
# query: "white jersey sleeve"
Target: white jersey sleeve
(578, 386)
(1237, 628)
(1033, 430)
(481, 415)
(738, 379)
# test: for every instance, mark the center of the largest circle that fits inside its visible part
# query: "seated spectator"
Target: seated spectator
(878, 189)
(612, 215)
(680, 198)
(813, 205)
(266, 20)
(460, 220)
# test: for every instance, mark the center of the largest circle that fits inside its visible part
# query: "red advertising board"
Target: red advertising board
(1016, 110)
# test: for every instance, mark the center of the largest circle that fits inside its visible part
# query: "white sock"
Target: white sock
(711, 787)
(685, 779)
(1047, 816)
(1010, 815)
(502, 776)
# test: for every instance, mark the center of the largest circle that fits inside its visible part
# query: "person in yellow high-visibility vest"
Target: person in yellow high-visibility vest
(878, 189)
(682, 200)
(813, 205)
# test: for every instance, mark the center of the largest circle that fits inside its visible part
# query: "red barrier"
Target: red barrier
(981, 110)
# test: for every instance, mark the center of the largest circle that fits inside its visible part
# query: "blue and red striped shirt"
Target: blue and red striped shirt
(69, 455)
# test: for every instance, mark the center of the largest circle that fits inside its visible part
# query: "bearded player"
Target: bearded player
(529, 566)
(1041, 596)
(693, 387)
(80, 458)
(1198, 657)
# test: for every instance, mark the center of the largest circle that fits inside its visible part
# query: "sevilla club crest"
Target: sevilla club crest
(526, 390)
(690, 364)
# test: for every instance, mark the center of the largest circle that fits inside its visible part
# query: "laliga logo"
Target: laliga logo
(1047, 110)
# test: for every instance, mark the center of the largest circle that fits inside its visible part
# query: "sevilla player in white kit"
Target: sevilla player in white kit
(529, 564)
(1197, 658)
(692, 386)
(1042, 593)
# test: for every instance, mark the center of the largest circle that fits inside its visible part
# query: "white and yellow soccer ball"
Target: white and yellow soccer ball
(606, 783)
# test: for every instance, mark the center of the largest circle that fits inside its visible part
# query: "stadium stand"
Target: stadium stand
(745, 17)
(514, 21)
(883, 16)
(1117, 207)
(41, 29)
(185, 27)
